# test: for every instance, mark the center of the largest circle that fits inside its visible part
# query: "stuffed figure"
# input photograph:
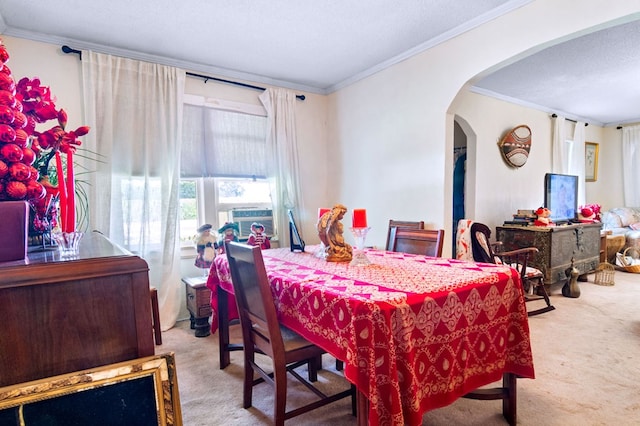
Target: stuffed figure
(589, 213)
(257, 237)
(228, 232)
(206, 246)
(543, 219)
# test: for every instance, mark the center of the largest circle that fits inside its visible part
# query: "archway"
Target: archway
(464, 174)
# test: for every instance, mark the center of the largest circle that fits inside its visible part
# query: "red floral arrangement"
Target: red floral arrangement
(589, 213)
(25, 153)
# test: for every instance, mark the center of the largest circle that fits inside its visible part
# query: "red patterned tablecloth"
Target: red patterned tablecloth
(415, 333)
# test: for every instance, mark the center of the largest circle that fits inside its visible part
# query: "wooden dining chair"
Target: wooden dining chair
(401, 224)
(532, 278)
(427, 242)
(263, 334)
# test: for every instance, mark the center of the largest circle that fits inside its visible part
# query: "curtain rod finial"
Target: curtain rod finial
(66, 49)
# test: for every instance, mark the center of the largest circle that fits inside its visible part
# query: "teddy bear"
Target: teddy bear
(543, 218)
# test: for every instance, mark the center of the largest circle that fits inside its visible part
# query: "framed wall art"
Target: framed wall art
(591, 161)
(142, 391)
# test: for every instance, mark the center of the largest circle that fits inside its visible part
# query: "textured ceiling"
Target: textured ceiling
(593, 78)
(322, 46)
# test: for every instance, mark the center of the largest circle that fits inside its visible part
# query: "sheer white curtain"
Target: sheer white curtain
(560, 151)
(135, 112)
(631, 165)
(282, 145)
(568, 154)
(576, 165)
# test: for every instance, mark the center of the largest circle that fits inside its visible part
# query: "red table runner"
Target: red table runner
(415, 333)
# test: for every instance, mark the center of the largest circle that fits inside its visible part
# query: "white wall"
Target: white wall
(500, 190)
(59, 71)
(391, 135)
(607, 189)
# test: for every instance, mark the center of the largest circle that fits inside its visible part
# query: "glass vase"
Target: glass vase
(359, 256)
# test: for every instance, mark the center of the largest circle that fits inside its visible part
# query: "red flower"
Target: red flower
(36, 100)
(25, 150)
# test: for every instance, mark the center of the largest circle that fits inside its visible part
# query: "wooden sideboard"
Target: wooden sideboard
(557, 245)
(63, 315)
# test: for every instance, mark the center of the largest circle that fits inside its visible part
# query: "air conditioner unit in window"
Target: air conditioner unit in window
(245, 217)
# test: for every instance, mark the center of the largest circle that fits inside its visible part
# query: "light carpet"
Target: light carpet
(586, 357)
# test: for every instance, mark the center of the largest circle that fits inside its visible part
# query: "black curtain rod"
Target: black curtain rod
(568, 119)
(67, 49)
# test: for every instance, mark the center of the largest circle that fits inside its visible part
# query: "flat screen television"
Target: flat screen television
(561, 197)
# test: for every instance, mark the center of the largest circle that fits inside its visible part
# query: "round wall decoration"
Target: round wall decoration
(516, 145)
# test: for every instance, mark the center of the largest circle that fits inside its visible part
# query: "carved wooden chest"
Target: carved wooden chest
(558, 245)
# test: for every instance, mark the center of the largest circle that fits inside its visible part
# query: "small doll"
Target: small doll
(543, 219)
(206, 247)
(257, 237)
(228, 232)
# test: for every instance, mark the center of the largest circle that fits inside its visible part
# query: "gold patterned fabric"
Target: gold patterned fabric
(415, 332)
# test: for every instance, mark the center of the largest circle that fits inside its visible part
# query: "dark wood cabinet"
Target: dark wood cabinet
(63, 315)
(557, 245)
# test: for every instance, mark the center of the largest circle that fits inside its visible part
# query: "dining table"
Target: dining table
(415, 333)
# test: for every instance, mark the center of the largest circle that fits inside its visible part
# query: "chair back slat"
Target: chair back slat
(401, 224)
(258, 317)
(426, 242)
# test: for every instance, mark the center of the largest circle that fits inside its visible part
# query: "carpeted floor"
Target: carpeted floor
(586, 356)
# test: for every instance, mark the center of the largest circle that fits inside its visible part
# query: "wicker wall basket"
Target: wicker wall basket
(629, 260)
(605, 274)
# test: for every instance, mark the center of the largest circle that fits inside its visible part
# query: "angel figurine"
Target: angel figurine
(330, 231)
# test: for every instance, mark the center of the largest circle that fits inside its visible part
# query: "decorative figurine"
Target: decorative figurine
(330, 231)
(206, 247)
(571, 288)
(257, 237)
(228, 232)
(543, 218)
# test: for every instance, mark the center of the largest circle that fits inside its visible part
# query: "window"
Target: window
(210, 200)
(188, 211)
(223, 164)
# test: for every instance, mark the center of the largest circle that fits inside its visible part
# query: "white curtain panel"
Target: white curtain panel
(631, 165)
(559, 153)
(135, 112)
(282, 145)
(567, 155)
(576, 165)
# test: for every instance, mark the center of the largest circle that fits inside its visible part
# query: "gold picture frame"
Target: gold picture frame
(591, 161)
(142, 391)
